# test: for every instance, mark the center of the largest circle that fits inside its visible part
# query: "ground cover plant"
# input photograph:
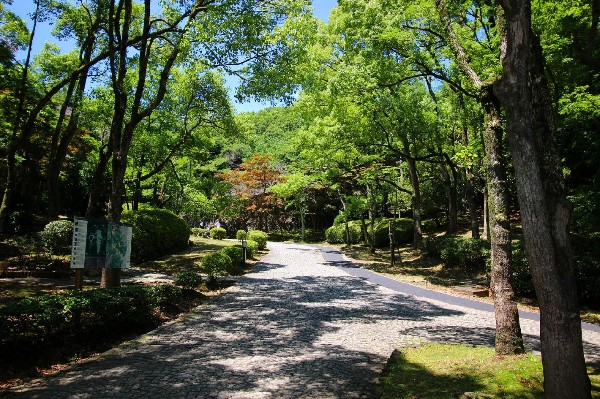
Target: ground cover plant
(44, 323)
(441, 371)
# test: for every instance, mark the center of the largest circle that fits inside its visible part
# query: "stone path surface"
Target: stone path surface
(299, 326)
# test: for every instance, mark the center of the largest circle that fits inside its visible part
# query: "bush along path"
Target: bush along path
(299, 326)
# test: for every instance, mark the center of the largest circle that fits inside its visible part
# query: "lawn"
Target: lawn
(438, 371)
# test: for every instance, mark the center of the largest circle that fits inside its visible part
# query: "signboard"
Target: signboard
(99, 244)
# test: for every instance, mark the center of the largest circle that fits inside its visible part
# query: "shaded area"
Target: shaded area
(265, 338)
(334, 257)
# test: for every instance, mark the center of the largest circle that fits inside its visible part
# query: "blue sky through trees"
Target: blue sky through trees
(24, 8)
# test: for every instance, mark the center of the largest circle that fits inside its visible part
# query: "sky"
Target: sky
(43, 34)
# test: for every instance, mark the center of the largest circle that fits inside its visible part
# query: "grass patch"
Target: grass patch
(438, 371)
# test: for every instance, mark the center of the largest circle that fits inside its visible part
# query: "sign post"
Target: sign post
(99, 244)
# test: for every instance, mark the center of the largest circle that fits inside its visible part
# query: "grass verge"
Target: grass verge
(438, 371)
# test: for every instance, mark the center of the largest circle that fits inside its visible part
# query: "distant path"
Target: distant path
(299, 326)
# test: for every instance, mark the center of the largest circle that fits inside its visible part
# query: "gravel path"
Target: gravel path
(297, 327)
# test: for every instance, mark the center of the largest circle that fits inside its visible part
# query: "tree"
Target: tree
(251, 182)
(508, 331)
(545, 210)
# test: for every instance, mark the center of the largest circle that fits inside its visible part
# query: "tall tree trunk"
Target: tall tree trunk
(508, 330)
(545, 211)
(416, 202)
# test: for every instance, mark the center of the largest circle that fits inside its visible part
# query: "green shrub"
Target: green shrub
(218, 233)
(200, 232)
(216, 265)
(37, 323)
(188, 279)
(521, 277)
(260, 237)
(156, 232)
(402, 229)
(429, 226)
(236, 254)
(241, 235)
(251, 248)
(336, 234)
(459, 252)
(57, 236)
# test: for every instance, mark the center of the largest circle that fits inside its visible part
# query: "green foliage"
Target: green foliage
(463, 253)
(188, 280)
(57, 236)
(521, 277)
(156, 232)
(241, 235)
(402, 230)
(251, 248)
(336, 234)
(218, 233)
(200, 232)
(436, 371)
(216, 265)
(260, 237)
(35, 324)
(236, 254)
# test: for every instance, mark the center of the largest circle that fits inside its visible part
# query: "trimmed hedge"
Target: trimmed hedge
(402, 229)
(156, 232)
(200, 232)
(459, 252)
(215, 265)
(218, 233)
(236, 254)
(251, 248)
(188, 279)
(241, 235)
(38, 327)
(95, 312)
(260, 237)
(337, 234)
(57, 236)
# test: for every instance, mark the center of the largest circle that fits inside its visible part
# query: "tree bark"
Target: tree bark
(508, 330)
(545, 211)
(509, 339)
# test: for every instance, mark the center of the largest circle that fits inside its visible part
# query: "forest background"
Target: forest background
(391, 108)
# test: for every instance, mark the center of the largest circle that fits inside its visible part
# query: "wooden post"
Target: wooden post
(78, 279)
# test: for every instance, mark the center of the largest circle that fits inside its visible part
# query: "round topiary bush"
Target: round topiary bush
(188, 280)
(237, 259)
(336, 234)
(57, 236)
(241, 235)
(260, 237)
(218, 233)
(156, 232)
(251, 248)
(216, 265)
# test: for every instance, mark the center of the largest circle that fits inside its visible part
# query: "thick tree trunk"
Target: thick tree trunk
(545, 212)
(508, 330)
